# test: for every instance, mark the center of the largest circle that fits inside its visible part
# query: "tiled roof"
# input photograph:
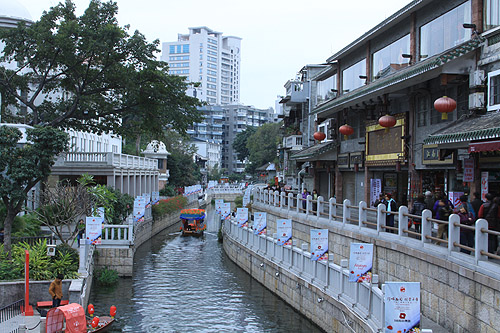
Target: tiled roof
(468, 129)
(314, 150)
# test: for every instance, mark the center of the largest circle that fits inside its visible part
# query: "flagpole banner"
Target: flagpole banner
(284, 231)
(225, 211)
(402, 307)
(139, 209)
(100, 212)
(319, 244)
(93, 229)
(260, 223)
(147, 199)
(360, 262)
(242, 217)
(218, 205)
(155, 197)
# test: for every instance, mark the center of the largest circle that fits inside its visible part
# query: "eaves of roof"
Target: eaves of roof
(404, 74)
(313, 151)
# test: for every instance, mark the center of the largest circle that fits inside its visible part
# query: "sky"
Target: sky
(279, 37)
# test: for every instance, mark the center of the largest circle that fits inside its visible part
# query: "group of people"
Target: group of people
(468, 211)
(391, 207)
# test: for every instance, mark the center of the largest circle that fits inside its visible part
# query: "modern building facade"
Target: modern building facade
(207, 57)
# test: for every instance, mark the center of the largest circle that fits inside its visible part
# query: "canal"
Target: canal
(183, 284)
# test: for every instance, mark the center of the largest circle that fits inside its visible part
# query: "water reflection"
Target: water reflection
(185, 284)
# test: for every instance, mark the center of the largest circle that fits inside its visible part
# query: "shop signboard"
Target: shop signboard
(430, 155)
(375, 190)
(385, 146)
(484, 185)
(468, 170)
(284, 231)
(454, 197)
(402, 307)
(319, 244)
(360, 262)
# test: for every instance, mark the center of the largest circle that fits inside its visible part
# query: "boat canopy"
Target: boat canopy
(193, 214)
(73, 314)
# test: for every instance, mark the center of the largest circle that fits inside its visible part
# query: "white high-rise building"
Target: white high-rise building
(207, 57)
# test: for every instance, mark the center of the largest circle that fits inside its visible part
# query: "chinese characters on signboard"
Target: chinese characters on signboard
(468, 170)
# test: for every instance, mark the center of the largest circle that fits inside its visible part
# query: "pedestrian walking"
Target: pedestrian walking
(443, 213)
(489, 212)
(466, 236)
(315, 199)
(429, 201)
(417, 209)
(391, 208)
(55, 290)
(476, 203)
(304, 197)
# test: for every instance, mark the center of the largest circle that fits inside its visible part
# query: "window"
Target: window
(390, 59)
(210, 65)
(211, 86)
(492, 14)
(211, 40)
(422, 104)
(211, 93)
(212, 59)
(350, 76)
(181, 48)
(211, 100)
(212, 52)
(494, 90)
(185, 48)
(173, 58)
(324, 89)
(179, 64)
(446, 31)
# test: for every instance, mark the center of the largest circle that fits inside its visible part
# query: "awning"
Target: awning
(467, 129)
(476, 147)
(313, 151)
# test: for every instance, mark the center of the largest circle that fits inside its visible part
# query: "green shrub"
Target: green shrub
(106, 276)
(238, 201)
(167, 191)
(66, 261)
(168, 206)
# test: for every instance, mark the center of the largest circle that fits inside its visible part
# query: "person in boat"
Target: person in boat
(185, 224)
(55, 290)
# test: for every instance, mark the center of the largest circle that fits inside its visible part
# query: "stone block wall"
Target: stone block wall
(119, 259)
(11, 292)
(455, 294)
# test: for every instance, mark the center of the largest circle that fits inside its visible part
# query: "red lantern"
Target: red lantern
(320, 136)
(112, 311)
(95, 322)
(445, 105)
(90, 309)
(346, 130)
(387, 121)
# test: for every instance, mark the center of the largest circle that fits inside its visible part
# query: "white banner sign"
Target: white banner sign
(468, 170)
(319, 244)
(225, 211)
(484, 185)
(93, 229)
(242, 217)
(360, 262)
(375, 190)
(260, 223)
(284, 231)
(218, 205)
(155, 197)
(402, 307)
(139, 209)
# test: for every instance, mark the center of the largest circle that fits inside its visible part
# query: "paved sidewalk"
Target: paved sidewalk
(31, 322)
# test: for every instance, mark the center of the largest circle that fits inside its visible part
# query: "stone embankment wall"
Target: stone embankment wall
(327, 312)
(455, 294)
(13, 291)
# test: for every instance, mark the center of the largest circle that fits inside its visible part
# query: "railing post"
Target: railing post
(346, 211)
(298, 202)
(380, 217)
(83, 256)
(308, 204)
(426, 225)
(319, 206)
(453, 232)
(402, 220)
(332, 209)
(481, 239)
(362, 213)
(282, 199)
(277, 201)
(130, 236)
(290, 201)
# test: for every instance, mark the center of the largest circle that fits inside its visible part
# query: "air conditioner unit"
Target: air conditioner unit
(476, 101)
(477, 79)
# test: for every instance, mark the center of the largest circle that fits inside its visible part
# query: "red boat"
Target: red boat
(71, 319)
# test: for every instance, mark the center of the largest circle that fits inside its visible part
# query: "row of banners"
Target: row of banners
(402, 299)
(192, 189)
(94, 224)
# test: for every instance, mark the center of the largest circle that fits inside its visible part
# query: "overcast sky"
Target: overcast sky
(278, 36)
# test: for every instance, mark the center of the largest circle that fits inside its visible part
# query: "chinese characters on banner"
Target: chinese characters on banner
(246, 196)
(147, 199)
(484, 185)
(402, 307)
(218, 205)
(242, 217)
(260, 223)
(360, 262)
(375, 190)
(93, 229)
(284, 231)
(468, 170)
(225, 211)
(139, 209)
(319, 244)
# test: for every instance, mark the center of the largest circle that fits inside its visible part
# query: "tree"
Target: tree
(183, 170)
(241, 140)
(97, 76)
(262, 145)
(22, 167)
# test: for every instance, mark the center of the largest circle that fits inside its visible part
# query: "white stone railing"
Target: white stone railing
(114, 159)
(117, 234)
(365, 299)
(372, 222)
(229, 189)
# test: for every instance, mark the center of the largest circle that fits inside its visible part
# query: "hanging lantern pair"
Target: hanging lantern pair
(445, 105)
